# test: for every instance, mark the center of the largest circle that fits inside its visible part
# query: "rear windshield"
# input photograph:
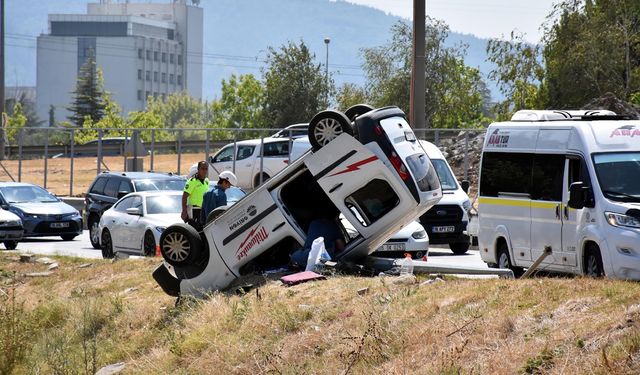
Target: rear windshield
(423, 172)
(162, 184)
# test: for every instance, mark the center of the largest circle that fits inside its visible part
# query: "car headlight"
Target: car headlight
(419, 234)
(621, 220)
(160, 229)
(466, 205)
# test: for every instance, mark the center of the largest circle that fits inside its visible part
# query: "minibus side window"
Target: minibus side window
(504, 173)
(548, 172)
(372, 201)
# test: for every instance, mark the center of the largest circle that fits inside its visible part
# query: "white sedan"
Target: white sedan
(134, 224)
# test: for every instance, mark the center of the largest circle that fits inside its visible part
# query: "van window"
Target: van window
(98, 186)
(505, 173)
(244, 152)
(125, 186)
(447, 181)
(424, 173)
(276, 149)
(548, 171)
(112, 187)
(372, 201)
(226, 154)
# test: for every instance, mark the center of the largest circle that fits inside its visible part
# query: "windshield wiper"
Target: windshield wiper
(621, 194)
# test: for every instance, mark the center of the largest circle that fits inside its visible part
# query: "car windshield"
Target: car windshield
(447, 181)
(618, 175)
(164, 204)
(23, 194)
(160, 184)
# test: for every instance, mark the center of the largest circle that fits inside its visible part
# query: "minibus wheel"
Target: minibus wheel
(180, 245)
(326, 126)
(593, 261)
(357, 110)
(504, 261)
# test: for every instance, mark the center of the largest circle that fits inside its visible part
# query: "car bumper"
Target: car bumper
(52, 227)
(11, 234)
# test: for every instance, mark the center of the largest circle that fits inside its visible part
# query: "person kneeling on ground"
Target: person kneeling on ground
(333, 240)
(216, 196)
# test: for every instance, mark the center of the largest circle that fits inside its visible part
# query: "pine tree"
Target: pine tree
(88, 97)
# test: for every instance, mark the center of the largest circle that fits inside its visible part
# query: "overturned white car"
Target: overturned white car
(379, 179)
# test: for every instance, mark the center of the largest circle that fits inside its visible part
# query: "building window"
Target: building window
(164, 97)
(155, 76)
(155, 95)
(164, 77)
(172, 58)
(140, 53)
(155, 55)
(164, 57)
(179, 59)
(172, 79)
(140, 74)
(148, 54)
(147, 94)
(147, 75)
(179, 80)
(140, 95)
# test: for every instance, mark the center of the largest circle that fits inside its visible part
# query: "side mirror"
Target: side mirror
(465, 186)
(122, 193)
(4, 206)
(577, 195)
(134, 211)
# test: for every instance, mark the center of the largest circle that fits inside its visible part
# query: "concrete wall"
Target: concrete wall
(56, 75)
(118, 59)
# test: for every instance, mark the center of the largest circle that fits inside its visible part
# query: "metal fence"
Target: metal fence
(65, 161)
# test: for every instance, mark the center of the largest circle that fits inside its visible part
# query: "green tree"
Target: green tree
(295, 86)
(16, 121)
(241, 103)
(518, 72)
(180, 107)
(350, 94)
(454, 93)
(111, 123)
(88, 96)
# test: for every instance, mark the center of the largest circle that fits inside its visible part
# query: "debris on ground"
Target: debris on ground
(38, 274)
(363, 291)
(408, 279)
(85, 265)
(27, 258)
(301, 277)
(111, 369)
(129, 290)
(53, 266)
(432, 281)
(45, 260)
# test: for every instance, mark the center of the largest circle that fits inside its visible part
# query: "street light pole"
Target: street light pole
(326, 74)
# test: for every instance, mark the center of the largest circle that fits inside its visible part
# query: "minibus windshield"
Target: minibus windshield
(618, 175)
(447, 181)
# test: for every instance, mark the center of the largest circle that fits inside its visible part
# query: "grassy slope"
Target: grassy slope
(553, 325)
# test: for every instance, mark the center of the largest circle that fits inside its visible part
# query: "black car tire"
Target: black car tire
(149, 244)
(327, 125)
(357, 110)
(180, 245)
(593, 261)
(107, 245)
(504, 261)
(94, 231)
(459, 248)
(215, 214)
(68, 237)
(11, 245)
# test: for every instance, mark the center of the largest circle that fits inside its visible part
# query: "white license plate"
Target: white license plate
(393, 247)
(59, 225)
(444, 229)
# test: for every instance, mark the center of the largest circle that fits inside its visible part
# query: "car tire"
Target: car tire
(593, 261)
(94, 231)
(10, 245)
(180, 245)
(149, 244)
(504, 261)
(68, 237)
(459, 248)
(256, 180)
(107, 244)
(357, 110)
(327, 125)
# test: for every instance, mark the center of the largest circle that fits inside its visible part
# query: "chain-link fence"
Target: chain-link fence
(65, 161)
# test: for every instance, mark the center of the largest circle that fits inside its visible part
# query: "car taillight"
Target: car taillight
(378, 130)
(399, 166)
(286, 161)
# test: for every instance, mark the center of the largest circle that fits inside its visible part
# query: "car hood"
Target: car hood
(8, 216)
(407, 230)
(164, 220)
(53, 208)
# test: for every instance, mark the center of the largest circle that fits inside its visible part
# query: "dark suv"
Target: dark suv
(108, 187)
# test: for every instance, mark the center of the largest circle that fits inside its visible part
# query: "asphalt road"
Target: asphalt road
(81, 247)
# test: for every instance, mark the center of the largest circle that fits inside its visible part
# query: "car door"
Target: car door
(365, 190)
(247, 165)
(276, 156)
(133, 227)
(575, 171)
(115, 222)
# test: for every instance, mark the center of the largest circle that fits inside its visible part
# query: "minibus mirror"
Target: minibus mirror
(465, 186)
(576, 195)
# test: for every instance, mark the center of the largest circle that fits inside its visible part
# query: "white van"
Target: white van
(446, 222)
(567, 182)
(380, 182)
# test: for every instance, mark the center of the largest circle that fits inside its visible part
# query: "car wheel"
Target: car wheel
(180, 245)
(326, 126)
(68, 237)
(94, 231)
(357, 110)
(11, 245)
(504, 261)
(149, 244)
(593, 262)
(256, 180)
(107, 245)
(459, 248)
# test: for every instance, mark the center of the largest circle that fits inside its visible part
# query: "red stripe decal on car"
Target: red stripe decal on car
(355, 166)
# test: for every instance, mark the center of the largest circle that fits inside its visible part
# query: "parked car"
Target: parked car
(11, 229)
(250, 168)
(380, 181)
(108, 187)
(41, 213)
(412, 239)
(293, 131)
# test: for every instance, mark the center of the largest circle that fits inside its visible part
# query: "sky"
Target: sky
(484, 18)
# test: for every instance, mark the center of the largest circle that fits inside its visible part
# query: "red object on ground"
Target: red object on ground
(301, 277)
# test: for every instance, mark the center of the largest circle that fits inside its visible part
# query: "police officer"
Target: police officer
(216, 197)
(194, 191)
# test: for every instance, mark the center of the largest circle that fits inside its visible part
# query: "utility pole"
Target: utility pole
(326, 74)
(417, 96)
(2, 56)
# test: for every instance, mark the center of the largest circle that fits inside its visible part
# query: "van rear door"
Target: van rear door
(367, 192)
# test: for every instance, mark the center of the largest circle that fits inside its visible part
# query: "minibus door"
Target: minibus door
(575, 171)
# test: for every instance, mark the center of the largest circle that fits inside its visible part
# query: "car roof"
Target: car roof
(151, 193)
(11, 184)
(142, 175)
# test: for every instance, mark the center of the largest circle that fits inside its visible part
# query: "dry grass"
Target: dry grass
(85, 169)
(540, 326)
